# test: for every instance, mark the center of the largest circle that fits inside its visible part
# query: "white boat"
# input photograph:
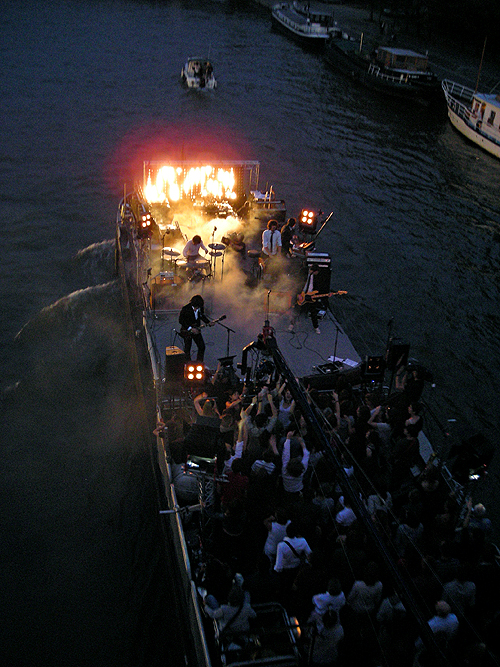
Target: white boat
(308, 26)
(475, 115)
(198, 73)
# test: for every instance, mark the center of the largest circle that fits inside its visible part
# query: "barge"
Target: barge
(250, 342)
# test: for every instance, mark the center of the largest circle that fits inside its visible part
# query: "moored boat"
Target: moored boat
(475, 115)
(198, 73)
(394, 71)
(311, 27)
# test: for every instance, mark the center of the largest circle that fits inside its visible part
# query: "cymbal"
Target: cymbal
(214, 253)
(171, 252)
(254, 253)
(216, 246)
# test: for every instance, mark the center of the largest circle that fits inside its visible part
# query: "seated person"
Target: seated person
(192, 249)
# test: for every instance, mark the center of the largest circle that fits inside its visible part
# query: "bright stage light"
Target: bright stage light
(194, 372)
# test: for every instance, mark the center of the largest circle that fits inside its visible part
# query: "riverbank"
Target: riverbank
(447, 60)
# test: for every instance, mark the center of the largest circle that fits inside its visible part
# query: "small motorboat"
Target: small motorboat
(198, 73)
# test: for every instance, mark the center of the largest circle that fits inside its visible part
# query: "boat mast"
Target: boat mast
(480, 65)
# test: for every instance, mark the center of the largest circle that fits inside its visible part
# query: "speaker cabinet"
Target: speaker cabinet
(321, 262)
(164, 292)
(174, 364)
(373, 369)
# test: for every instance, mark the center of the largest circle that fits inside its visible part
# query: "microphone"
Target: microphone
(215, 229)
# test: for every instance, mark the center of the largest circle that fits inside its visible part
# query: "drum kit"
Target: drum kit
(217, 250)
(169, 253)
(195, 269)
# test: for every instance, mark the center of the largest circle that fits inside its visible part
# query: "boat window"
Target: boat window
(491, 118)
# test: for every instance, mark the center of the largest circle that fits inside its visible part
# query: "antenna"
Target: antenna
(480, 65)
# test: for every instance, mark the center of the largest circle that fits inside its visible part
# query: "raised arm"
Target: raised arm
(305, 453)
(337, 406)
(373, 417)
(197, 402)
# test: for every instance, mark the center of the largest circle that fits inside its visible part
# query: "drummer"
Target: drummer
(192, 249)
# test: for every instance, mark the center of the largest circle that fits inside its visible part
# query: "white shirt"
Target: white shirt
(238, 453)
(290, 483)
(274, 537)
(271, 242)
(364, 598)
(324, 602)
(193, 249)
(345, 517)
(286, 558)
(440, 625)
(309, 286)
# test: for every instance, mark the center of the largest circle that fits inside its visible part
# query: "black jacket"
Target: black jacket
(187, 318)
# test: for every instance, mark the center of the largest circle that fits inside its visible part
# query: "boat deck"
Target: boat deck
(245, 310)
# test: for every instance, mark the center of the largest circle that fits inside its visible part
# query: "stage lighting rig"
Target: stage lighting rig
(308, 221)
(194, 372)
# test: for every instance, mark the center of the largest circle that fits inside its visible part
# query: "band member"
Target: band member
(271, 239)
(192, 249)
(287, 232)
(271, 248)
(310, 305)
(190, 319)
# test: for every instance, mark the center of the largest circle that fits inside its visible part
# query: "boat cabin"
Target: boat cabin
(402, 59)
(486, 108)
(314, 15)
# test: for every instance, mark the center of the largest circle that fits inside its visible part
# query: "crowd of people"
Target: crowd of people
(280, 526)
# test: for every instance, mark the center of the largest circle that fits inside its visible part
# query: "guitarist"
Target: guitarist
(190, 319)
(309, 306)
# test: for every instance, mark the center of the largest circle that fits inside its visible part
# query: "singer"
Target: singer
(190, 318)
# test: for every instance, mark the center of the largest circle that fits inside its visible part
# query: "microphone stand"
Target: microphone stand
(390, 341)
(336, 342)
(267, 331)
(213, 258)
(176, 333)
(229, 332)
(222, 265)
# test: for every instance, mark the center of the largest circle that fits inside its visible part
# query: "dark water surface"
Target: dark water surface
(89, 90)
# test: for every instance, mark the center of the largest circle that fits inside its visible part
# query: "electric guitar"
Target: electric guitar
(309, 297)
(195, 330)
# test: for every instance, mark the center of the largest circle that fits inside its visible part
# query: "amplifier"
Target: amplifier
(318, 258)
(175, 359)
(163, 292)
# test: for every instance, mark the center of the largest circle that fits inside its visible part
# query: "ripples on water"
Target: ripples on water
(91, 89)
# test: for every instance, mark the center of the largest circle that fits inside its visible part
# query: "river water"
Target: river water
(90, 89)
